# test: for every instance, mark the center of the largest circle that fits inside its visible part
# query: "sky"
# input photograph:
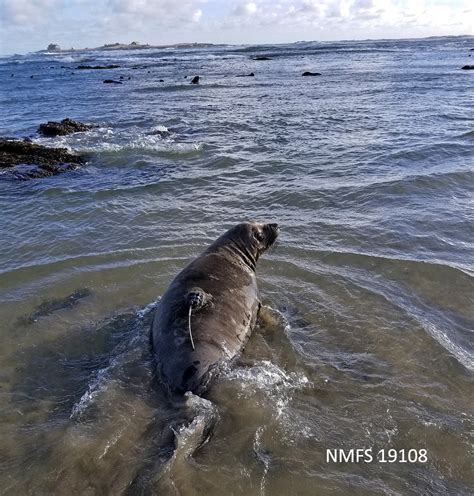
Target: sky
(28, 25)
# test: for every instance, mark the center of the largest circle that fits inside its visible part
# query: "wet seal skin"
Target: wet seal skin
(207, 314)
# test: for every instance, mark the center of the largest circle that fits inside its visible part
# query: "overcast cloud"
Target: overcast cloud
(27, 25)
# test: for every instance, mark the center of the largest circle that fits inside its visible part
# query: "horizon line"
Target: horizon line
(151, 46)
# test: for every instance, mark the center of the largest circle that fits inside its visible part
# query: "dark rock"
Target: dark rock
(307, 73)
(195, 80)
(66, 126)
(262, 57)
(111, 81)
(162, 80)
(111, 66)
(468, 67)
(185, 77)
(28, 160)
(246, 75)
(164, 133)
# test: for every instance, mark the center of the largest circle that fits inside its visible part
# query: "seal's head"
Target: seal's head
(249, 240)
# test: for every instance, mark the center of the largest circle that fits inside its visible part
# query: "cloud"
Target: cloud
(354, 14)
(197, 14)
(245, 9)
(32, 24)
(157, 11)
(27, 12)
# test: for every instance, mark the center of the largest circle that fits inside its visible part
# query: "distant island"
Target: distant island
(134, 45)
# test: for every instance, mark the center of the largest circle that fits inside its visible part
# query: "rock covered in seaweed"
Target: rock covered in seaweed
(63, 128)
(26, 160)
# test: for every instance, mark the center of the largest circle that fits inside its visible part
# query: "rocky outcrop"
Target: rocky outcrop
(63, 128)
(195, 80)
(262, 57)
(111, 81)
(26, 160)
(468, 67)
(308, 73)
(246, 75)
(112, 66)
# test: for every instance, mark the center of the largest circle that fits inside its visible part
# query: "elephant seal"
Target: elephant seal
(207, 314)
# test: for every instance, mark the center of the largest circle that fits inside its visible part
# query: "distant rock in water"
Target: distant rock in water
(262, 57)
(246, 75)
(48, 307)
(307, 73)
(162, 131)
(195, 80)
(63, 128)
(111, 81)
(468, 67)
(112, 66)
(28, 160)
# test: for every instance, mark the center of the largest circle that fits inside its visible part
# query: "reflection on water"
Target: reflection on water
(367, 337)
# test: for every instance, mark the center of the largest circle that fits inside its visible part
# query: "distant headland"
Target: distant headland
(134, 45)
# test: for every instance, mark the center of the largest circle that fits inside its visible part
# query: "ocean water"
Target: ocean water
(368, 169)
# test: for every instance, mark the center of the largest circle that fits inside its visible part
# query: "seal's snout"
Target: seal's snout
(275, 228)
(272, 233)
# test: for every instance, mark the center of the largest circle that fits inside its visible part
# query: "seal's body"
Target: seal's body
(206, 315)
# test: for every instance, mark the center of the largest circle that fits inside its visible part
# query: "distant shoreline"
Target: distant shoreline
(130, 46)
(112, 47)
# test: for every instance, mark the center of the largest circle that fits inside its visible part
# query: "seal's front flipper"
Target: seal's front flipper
(269, 319)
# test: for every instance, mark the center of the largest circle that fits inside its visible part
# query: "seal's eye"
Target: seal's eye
(258, 236)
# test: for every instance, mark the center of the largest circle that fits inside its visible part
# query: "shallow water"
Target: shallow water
(368, 170)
